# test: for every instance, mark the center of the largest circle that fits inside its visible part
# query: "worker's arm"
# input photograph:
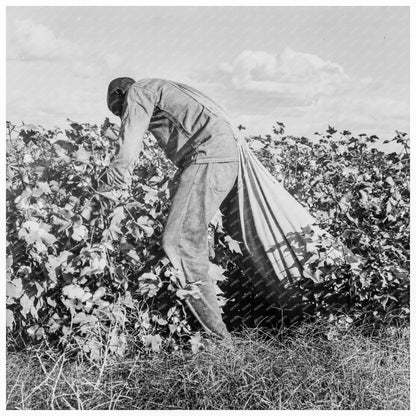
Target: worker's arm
(139, 105)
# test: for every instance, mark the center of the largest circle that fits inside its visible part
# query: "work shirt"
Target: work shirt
(189, 126)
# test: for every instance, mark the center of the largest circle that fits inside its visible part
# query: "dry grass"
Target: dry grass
(298, 369)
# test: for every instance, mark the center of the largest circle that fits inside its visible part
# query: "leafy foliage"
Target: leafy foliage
(88, 271)
(360, 195)
(83, 270)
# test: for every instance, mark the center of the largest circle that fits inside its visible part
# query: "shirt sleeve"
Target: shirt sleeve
(139, 108)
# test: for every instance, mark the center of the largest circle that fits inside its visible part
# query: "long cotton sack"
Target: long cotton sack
(273, 225)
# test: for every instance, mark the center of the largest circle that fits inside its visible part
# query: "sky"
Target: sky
(308, 67)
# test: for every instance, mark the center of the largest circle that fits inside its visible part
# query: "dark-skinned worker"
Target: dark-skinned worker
(199, 139)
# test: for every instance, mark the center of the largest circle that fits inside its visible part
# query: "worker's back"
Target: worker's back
(187, 124)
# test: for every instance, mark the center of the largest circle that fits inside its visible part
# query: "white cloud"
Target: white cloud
(291, 74)
(51, 78)
(38, 42)
(305, 92)
(34, 42)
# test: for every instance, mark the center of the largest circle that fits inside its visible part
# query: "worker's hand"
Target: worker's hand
(112, 132)
(107, 192)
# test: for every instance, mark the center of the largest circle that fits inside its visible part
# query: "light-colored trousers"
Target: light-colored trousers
(201, 189)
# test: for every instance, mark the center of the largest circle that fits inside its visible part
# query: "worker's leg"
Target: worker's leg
(201, 190)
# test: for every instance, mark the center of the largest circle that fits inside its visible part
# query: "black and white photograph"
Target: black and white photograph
(207, 206)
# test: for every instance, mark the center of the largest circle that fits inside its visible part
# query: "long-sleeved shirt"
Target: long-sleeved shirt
(189, 126)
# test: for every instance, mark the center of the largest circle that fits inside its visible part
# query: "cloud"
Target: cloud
(50, 78)
(295, 75)
(34, 41)
(305, 92)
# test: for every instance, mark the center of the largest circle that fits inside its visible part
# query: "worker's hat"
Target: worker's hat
(116, 92)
